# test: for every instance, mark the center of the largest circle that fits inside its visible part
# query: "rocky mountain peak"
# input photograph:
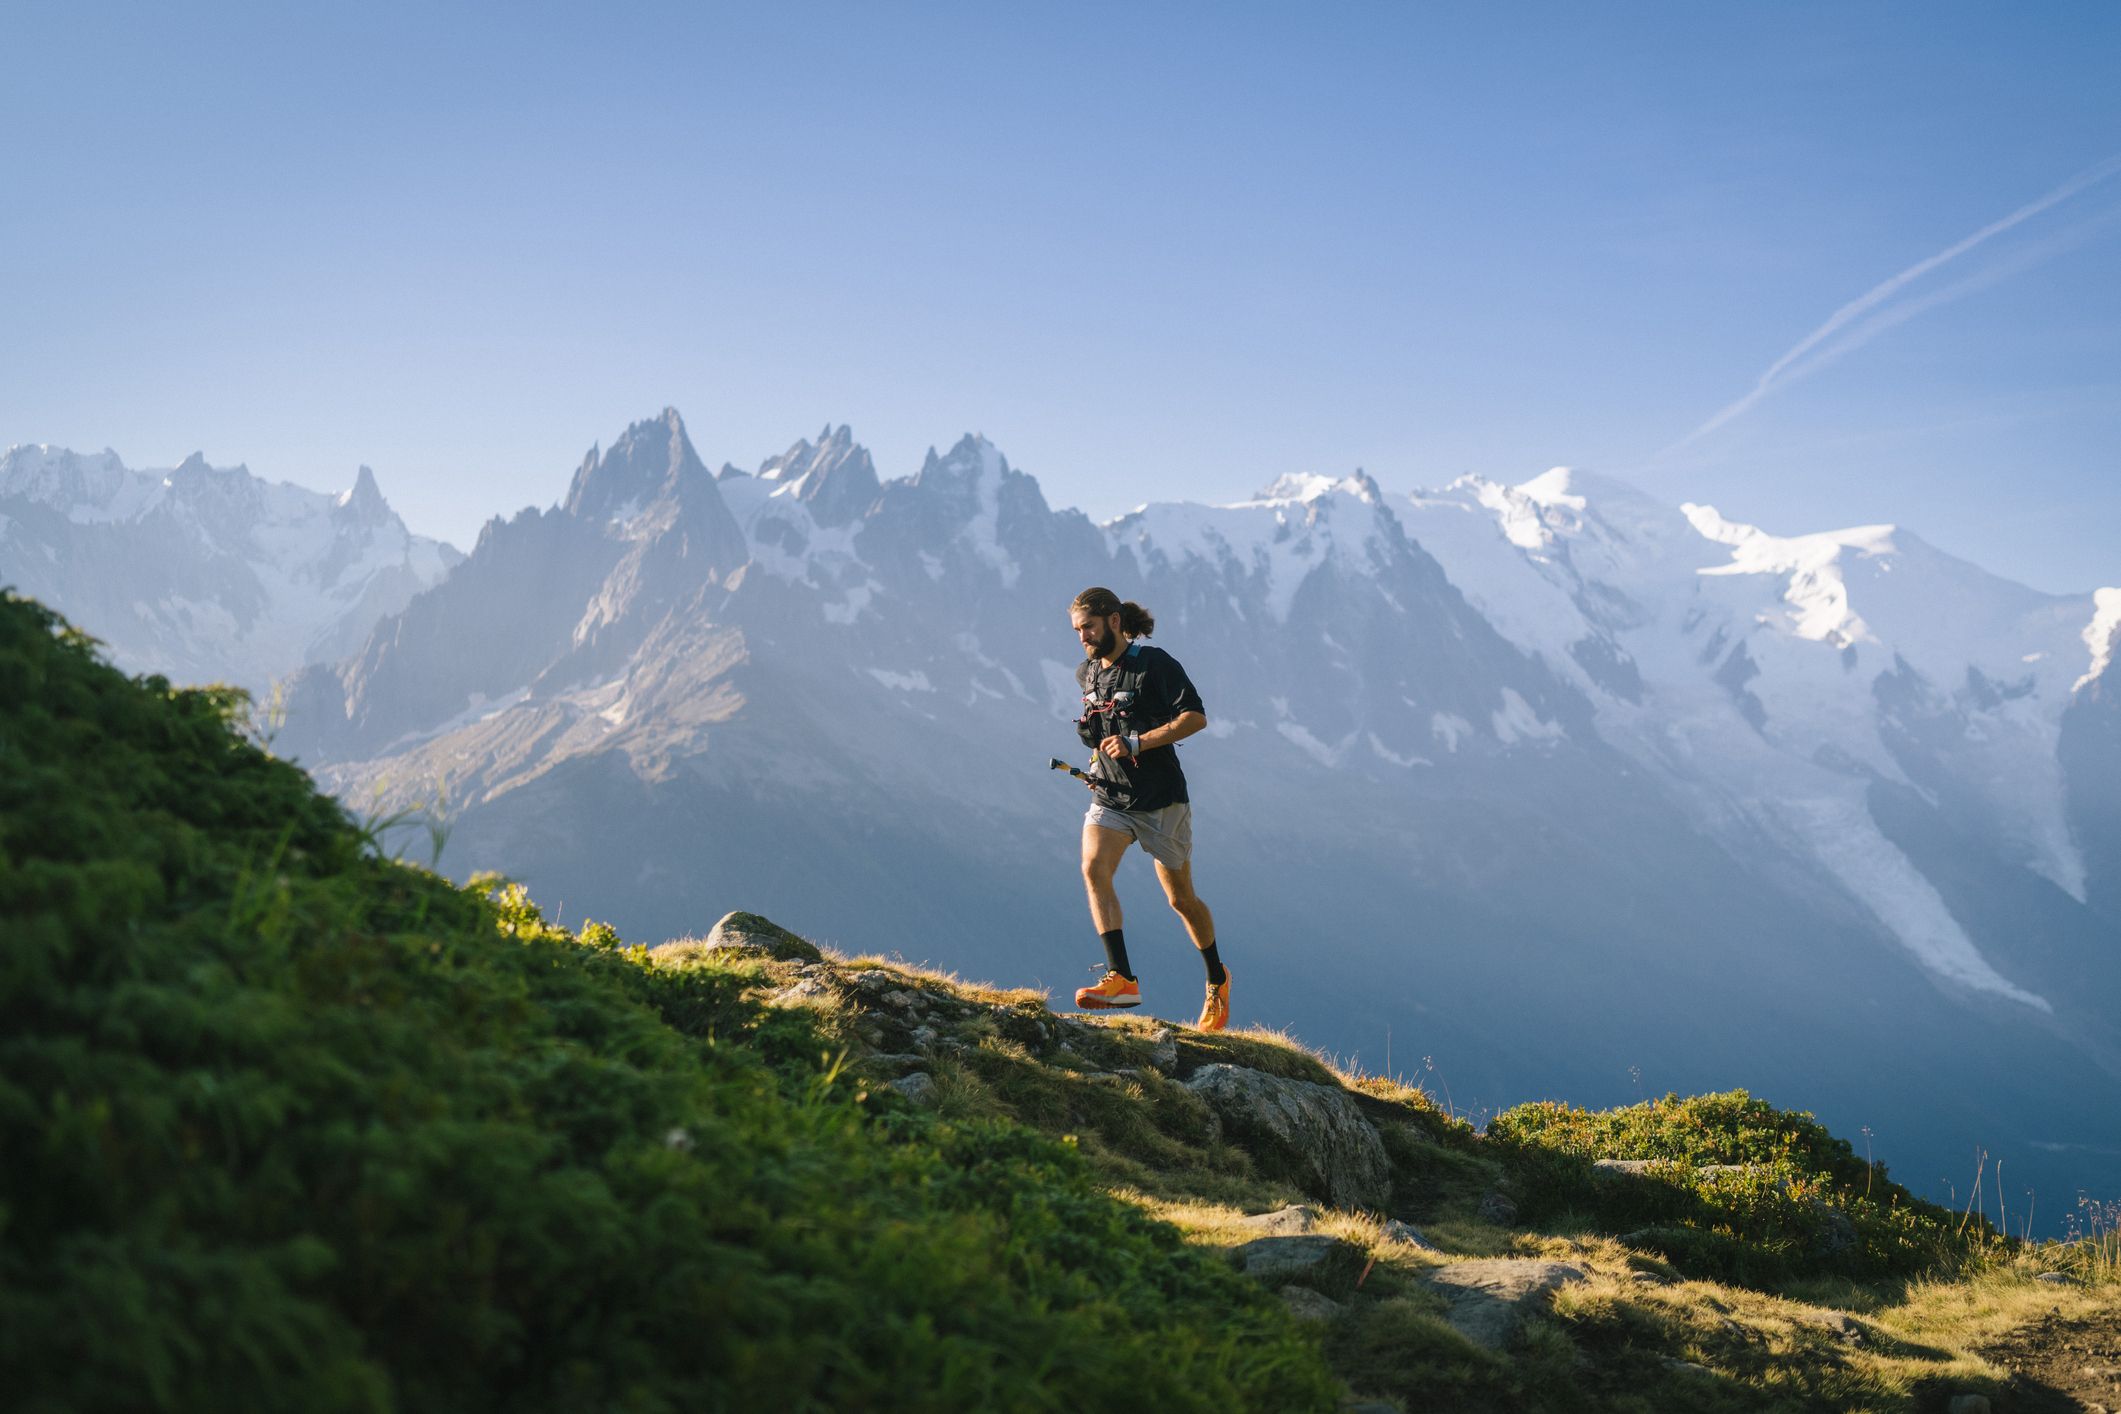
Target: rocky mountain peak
(56, 476)
(973, 457)
(363, 504)
(652, 457)
(834, 475)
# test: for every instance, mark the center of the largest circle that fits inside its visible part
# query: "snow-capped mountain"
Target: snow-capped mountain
(206, 573)
(1883, 709)
(1562, 785)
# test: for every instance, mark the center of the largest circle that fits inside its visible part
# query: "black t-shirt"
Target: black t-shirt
(1145, 689)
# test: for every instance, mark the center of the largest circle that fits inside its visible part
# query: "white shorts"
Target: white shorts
(1165, 835)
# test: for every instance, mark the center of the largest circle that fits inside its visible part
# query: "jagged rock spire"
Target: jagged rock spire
(650, 457)
(364, 502)
(834, 476)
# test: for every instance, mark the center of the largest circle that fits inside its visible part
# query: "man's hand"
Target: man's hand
(1114, 747)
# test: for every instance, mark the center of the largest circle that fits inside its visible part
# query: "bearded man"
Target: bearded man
(1138, 704)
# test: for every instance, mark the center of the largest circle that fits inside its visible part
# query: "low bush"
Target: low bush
(1736, 1189)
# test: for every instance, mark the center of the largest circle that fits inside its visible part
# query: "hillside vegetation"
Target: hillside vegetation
(292, 1125)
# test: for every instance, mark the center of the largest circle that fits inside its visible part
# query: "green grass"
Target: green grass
(1801, 1205)
(291, 1125)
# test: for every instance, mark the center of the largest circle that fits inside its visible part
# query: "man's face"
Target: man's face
(1100, 634)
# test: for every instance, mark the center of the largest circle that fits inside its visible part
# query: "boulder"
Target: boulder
(1837, 1231)
(1489, 1297)
(1308, 1305)
(1838, 1324)
(919, 1089)
(1163, 1050)
(1314, 1260)
(1498, 1208)
(1314, 1133)
(750, 932)
(1408, 1235)
(1292, 1221)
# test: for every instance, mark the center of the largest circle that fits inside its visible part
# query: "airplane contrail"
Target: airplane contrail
(1885, 290)
(2038, 253)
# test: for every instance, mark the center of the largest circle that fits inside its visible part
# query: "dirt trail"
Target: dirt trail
(2061, 1365)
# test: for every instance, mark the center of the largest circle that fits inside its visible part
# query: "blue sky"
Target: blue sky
(1154, 252)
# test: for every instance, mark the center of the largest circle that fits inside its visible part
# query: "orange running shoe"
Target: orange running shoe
(1111, 991)
(1215, 1012)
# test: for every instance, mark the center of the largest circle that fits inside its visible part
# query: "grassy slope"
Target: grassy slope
(289, 1125)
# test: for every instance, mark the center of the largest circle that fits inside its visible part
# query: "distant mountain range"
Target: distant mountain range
(1562, 790)
(207, 573)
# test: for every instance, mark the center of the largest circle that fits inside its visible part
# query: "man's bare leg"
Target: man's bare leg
(1200, 923)
(1102, 849)
(1178, 888)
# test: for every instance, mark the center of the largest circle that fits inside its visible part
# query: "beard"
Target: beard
(1107, 640)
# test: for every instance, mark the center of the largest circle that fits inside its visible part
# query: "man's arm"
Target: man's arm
(1170, 733)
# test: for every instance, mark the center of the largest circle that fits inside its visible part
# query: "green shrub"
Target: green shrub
(289, 1125)
(1801, 1203)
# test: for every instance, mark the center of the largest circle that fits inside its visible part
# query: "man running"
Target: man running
(1138, 704)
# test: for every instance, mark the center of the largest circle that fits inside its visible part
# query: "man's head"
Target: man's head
(1104, 623)
(1099, 632)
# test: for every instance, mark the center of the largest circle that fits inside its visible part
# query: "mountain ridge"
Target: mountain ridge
(204, 572)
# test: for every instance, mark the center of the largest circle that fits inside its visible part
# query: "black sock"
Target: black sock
(1116, 952)
(1216, 975)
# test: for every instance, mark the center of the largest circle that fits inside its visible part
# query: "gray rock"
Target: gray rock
(919, 1089)
(1314, 1132)
(1609, 1168)
(1838, 1324)
(924, 1038)
(1291, 1221)
(806, 991)
(1163, 1050)
(1315, 1260)
(1640, 1168)
(2053, 1278)
(1397, 1231)
(1498, 1208)
(1308, 1305)
(752, 932)
(1968, 1404)
(1489, 1298)
(1839, 1233)
(903, 1000)
(1673, 1363)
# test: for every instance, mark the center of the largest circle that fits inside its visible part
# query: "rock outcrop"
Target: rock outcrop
(1313, 1133)
(1489, 1298)
(1315, 1260)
